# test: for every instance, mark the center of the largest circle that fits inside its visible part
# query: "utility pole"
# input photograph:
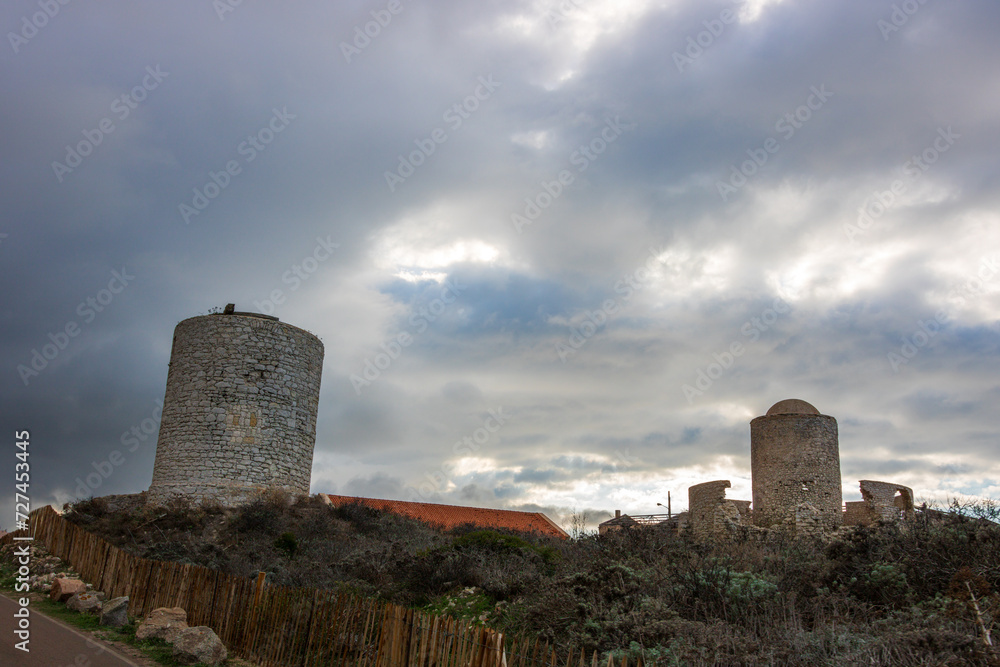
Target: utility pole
(669, 512)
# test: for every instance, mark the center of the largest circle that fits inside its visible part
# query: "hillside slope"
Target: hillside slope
(890, 595)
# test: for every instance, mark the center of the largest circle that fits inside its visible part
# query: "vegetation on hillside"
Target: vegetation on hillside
(924, 593)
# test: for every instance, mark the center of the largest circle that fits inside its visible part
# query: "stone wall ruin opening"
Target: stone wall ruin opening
(881, 501)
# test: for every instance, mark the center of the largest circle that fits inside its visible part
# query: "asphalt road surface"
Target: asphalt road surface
(52, 644)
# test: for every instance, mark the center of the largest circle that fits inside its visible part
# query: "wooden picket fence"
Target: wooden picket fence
(277, 626)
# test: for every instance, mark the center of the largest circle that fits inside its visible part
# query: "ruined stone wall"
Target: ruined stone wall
(808, 520)
(710, 513)
(857, 513)
(239, 413)
(887, 500)
(743, 507)
(795, 459)
(883, 501)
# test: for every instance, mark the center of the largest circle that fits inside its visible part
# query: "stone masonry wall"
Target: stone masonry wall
(808, 521)
(858, 513)
(710, 513)
(795, 459)
(239, 413)
(883, 501)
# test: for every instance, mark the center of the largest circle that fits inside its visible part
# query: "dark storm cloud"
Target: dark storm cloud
(261, 109)
(378, 485)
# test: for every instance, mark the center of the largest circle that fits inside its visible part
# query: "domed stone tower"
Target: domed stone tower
(239, 413)
(795, 465)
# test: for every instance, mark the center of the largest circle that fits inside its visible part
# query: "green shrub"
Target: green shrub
(503, 543)
(286, 542)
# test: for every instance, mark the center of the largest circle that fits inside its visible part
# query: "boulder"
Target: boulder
(63, 588)
(164, 623)
(115, 612)
(199, 644)
(85, 602)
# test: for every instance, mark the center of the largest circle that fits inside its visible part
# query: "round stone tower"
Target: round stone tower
(239, 413)
(795, 465)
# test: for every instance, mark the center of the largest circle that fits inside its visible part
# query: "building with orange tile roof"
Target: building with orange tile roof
(447, 517)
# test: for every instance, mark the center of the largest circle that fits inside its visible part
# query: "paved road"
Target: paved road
(52, 644)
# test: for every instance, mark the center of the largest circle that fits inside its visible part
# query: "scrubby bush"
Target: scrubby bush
(886, 595)
(261, 515)
(286, 542)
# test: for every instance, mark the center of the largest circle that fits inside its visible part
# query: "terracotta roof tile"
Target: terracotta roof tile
(452, 516)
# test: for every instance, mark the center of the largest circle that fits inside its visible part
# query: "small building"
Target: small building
(673, 523)
(620, 521)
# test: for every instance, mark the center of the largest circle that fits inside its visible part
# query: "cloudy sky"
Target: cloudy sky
(627, 226)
